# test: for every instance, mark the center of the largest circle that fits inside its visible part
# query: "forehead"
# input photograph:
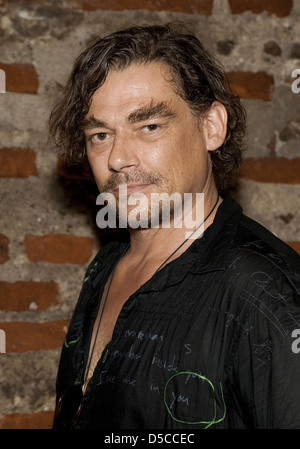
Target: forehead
(134, 86)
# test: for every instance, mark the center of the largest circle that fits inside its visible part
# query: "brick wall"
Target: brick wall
(47, 220)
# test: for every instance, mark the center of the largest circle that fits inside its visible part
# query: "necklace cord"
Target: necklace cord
(199, 226)
(100, 319)
(110, 282)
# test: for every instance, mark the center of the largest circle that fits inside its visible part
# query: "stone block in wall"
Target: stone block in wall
(35, 421)
(250, 85)
(191, 7)
(4, 249)
(280, 8)
(17, 163)
(20, 78)
(28, 386)
(24, 336)
(58, 248)
(20, 296)
(272, 170)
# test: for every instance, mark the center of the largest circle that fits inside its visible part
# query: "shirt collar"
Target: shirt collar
(212, 248)
(208, 253)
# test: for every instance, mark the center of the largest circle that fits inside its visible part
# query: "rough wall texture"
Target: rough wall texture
(47, 214)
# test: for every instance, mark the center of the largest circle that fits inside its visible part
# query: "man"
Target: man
(182, 327)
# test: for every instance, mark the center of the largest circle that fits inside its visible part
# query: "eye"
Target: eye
(151, 127)
(99, 137)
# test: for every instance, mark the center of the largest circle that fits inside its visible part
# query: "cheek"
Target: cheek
(161, 158)
(167, 161)
(178, 154)
(189, 162)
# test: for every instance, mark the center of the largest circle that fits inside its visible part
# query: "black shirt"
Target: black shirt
(205, 343)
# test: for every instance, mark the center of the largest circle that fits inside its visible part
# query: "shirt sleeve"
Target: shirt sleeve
(266, 368)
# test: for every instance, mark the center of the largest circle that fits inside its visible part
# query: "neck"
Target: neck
(156, 244)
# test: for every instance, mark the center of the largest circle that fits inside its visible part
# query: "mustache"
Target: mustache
(135, 177)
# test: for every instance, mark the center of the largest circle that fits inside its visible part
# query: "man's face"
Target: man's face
(141, 133)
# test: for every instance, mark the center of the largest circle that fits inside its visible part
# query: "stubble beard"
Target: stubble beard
(159, 185)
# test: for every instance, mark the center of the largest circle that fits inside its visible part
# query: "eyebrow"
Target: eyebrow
(92, 122)
(159, 110)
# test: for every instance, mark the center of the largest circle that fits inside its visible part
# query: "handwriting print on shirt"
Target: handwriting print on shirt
(74, 332)
(187, 394)
(141, 335)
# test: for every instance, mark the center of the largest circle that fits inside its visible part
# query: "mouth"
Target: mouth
(127, 189)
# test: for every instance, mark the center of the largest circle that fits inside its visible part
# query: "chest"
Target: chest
(166, 361)
(116, 292)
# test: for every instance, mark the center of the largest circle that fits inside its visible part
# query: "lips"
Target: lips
(127, 189)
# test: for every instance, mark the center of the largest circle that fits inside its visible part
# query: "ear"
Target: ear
(215, 126)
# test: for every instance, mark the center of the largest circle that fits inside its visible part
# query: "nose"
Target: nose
(123, 154)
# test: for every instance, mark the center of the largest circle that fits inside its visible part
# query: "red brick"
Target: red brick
(249, 85)
(23, 336)
(58, 248)
(39, 420)
(21, 78)
(295, 246)
(4, 242)
(17, 296)
(280, 8)
(203, 7)
(17, 163)
(272, 169)
(16, 2)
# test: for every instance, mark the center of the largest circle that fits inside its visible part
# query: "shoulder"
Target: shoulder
(255, 249)
(265, 273)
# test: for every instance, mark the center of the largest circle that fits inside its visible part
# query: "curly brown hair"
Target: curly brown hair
(198, 77)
